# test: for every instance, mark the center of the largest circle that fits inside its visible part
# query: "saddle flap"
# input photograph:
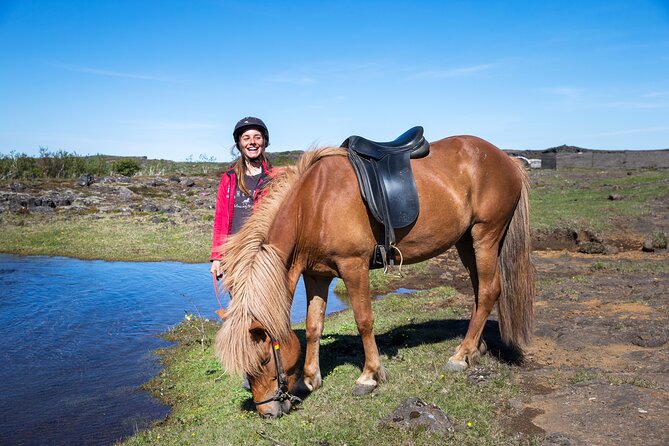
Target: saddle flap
(400, 190)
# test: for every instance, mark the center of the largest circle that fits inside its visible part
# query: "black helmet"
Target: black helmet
(247, 123)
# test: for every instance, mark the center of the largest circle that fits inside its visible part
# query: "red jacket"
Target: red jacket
(225, 205)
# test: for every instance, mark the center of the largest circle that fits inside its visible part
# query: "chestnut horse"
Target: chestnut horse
(314, 222)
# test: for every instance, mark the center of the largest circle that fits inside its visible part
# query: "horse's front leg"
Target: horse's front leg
(317, 299)
(356, 278)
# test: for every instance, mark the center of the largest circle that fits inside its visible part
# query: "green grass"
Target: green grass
(378, 281)
(636, 266)
(207, 411)
(110, 237)
(558, 200)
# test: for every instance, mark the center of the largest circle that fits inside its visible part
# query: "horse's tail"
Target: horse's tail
(516, 301)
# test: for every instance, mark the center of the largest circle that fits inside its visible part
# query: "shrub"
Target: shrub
(18, 166)
(659, 240)
(126, 167)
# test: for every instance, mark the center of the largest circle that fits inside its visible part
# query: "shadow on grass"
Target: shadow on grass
(347, 349)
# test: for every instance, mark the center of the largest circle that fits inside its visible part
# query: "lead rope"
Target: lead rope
(220, 312)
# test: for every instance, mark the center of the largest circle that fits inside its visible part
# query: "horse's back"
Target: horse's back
(463, 180)
(479, 171)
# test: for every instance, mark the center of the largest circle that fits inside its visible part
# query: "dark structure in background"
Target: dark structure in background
(569, 157)
(566, 157)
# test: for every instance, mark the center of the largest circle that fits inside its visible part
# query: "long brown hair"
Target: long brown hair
(240, 169)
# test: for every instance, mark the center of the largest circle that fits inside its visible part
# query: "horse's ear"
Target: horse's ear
(257, 330)
(222, 314)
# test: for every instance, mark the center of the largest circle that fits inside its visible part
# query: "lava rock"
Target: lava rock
(414, 413)
(85, 180)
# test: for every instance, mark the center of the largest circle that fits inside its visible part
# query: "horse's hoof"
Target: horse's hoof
(455, 365)
(363, 389)
(483, 347)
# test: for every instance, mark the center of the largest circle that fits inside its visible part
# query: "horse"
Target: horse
(315, 223)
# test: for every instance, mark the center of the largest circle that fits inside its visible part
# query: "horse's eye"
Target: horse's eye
(265, 361)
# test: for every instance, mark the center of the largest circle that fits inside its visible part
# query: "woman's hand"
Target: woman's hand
(216, 269)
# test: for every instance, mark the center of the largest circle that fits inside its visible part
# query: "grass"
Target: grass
(636, 266)
(379, 281)
(559, 200)
(207, 411)
(112, 237)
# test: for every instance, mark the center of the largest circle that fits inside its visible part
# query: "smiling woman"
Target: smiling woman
(241, 186)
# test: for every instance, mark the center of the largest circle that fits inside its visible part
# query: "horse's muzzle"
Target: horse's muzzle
(274, 409)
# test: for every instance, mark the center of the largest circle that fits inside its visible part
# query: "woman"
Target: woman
(241, 186)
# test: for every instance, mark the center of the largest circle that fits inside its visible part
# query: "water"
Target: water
(77, 340)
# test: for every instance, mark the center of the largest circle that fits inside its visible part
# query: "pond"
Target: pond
(77, 339)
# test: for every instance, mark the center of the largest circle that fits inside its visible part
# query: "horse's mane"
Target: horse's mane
(256, 277)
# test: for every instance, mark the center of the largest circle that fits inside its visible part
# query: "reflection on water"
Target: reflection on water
(77, 339)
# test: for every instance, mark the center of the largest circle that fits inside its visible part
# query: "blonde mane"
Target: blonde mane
(256, 277)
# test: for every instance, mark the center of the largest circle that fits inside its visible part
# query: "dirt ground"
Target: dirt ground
(597, 371)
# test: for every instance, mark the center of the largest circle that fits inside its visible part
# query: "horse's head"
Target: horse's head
(273, 385)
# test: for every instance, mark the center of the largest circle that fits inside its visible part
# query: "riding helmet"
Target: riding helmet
(247, 123)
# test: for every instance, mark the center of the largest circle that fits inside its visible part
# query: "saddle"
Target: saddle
(386, 183)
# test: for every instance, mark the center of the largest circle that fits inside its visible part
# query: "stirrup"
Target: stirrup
(387, 268)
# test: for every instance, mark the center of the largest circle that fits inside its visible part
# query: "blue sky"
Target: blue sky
(168, 79)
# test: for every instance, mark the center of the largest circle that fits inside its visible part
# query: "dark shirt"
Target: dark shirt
(244, 203)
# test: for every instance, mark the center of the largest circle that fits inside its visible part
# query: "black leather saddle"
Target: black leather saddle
(386, 183)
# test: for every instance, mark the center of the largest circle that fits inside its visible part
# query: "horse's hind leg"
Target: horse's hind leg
(317, 299)
(478, 251)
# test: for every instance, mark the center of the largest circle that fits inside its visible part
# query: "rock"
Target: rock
(414, 414)
(592, 248)
(189, 182)
(17, 187)
(149, 207)
(124, 192)
(587, 236)
(85, 180)
(558, 439)
(175, 179)
(615, 197)
(481, 375)
(649, 340)
(648, 246)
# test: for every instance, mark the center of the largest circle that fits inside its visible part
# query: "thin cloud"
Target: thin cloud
(286, 78)
(635, 105)
(112, 73)
(455, 72)
(656, 94)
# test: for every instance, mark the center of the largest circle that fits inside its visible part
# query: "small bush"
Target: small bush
(126, 167)
(659, 240)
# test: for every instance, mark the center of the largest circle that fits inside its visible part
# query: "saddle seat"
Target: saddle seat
(412, 141)
(386, 182)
